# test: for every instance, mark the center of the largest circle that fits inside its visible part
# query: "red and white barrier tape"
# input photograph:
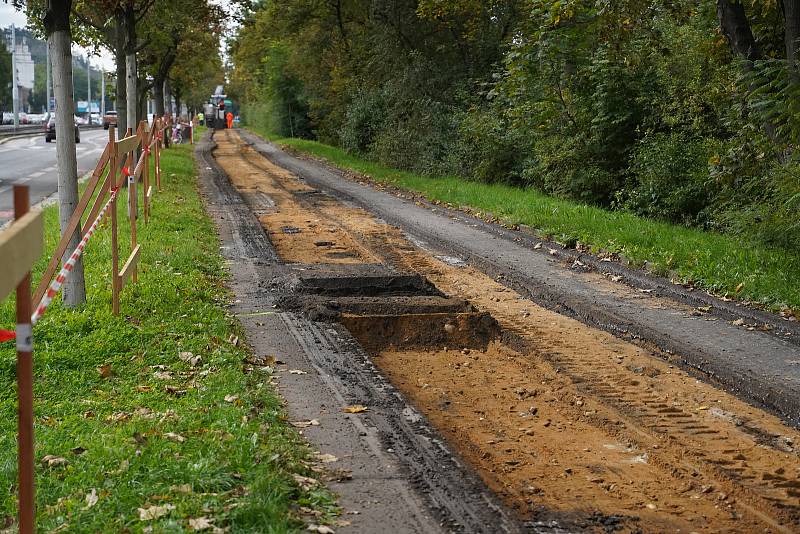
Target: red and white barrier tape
(55, 286)
(59, 280)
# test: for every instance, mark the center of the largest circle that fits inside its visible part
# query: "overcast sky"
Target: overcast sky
(9, 16)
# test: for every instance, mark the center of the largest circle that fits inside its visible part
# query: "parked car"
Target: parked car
(95, 119)
(8, 118)
(109, 119)
(50, 131)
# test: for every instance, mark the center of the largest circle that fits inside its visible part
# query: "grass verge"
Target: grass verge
(142, 440)
(722, 264)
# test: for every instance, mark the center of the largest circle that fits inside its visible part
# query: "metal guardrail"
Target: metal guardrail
(8, 130)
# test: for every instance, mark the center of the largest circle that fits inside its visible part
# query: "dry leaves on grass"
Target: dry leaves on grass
(190, 358)
(201, 523)
(104, 371)
(51, 460)
(154, 512)
(355, 408)
(162, 375)
(305, 482)
(91, 499)
(174, 437)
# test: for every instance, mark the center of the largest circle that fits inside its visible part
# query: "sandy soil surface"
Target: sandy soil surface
(554, 415)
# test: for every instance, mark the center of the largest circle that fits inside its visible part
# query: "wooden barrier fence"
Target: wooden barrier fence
(21, 245)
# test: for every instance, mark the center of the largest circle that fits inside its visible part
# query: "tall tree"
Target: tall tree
(59, 40)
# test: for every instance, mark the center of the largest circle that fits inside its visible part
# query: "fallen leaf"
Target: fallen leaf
(183, 488)
(704, 309)
(231, 398)
(144, 389)
(194, 361)
(305, 424)
(116, 417)
(105, 371)
(305, 482)
(77, 451)
(162, 375)
(54, 461)
(738, 322)
(91, 499)
(297, 372)
(175, 437)
(739, 287)
(233, 340)
(145, 413)
(537, 246)
(356, 408)
(200, 523)
(185, 356)
(327, 458)
(154, 512)
(321, 529)
(175, 390)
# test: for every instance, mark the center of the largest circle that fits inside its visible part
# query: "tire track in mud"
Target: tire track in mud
(702, 459)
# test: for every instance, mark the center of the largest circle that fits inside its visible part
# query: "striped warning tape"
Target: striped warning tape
(55, 286)
(59, 280)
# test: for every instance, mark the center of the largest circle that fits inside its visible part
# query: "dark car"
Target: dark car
(50, 131)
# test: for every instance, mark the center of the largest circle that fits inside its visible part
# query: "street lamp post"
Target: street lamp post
(14, 87)
(89, 89)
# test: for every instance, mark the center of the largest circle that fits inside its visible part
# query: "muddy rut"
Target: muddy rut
(555, 416)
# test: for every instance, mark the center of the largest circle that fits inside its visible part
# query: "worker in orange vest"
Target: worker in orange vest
(229, 117)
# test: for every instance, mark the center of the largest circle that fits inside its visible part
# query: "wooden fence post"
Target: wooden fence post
(25, 458)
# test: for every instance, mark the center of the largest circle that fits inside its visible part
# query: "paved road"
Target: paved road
(33, 162)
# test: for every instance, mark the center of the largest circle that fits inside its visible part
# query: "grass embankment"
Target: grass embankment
(130, 424)
(726, 265)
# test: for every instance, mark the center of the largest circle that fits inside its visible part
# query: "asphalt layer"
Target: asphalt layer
(760, 367)
(401, 476)
(31, 161)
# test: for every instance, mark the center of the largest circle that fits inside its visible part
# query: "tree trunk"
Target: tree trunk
(791, 12)
(736, 29)
(121, 102)
(59, 42)
(130, 88)
(158, 96)
(167, 110)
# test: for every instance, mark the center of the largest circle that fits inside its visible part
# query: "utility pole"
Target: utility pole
(14, 87)
(47, 68)
(88, 89)
(102, 92)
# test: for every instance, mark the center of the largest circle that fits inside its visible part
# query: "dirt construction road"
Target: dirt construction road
(583, 404)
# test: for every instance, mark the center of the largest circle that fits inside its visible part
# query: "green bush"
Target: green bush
(669, 175)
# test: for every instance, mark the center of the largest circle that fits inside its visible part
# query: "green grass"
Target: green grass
(716, 262)
(237, 461)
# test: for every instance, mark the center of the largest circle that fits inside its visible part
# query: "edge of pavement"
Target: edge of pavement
(401, 478)
(757, 366)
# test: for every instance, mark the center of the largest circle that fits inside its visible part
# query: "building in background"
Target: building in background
(25, 67)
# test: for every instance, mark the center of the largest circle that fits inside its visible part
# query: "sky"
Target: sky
(9, 16)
